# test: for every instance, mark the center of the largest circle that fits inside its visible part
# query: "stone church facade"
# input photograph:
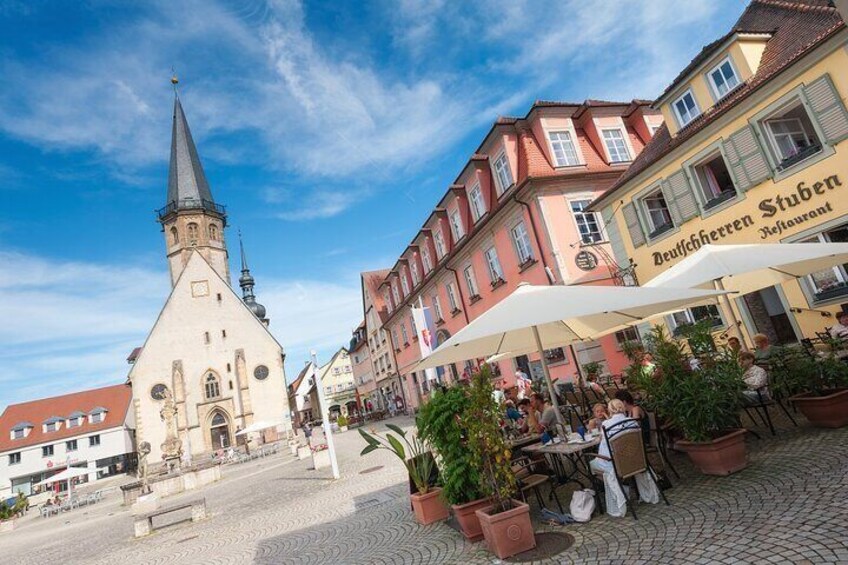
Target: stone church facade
(210, 352)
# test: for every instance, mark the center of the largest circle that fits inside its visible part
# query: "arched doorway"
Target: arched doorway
(219, 430)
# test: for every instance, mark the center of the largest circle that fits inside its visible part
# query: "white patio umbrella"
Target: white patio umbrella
(749, 268)
(535, 318)
(257, 427)
(66, 475)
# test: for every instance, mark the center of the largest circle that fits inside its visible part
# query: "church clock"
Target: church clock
(261, 372)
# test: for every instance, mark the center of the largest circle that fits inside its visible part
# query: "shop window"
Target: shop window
(714, 180)
(657, 213)
(830, 283)
(695, 315)
(791, 135)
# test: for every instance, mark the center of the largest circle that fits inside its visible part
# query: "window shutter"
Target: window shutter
(828, 109)
(680, 198)
(747, 160)
(631, 218)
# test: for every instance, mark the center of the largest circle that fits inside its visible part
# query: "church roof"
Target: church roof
(187, 185)
(114, 399)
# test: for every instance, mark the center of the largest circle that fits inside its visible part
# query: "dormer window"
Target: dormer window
(456, 226)
(685, 108)
(616, 146)
(395, 294)
(723, 78)
(426, 260)
(20, 430)
(414, 271)
(502, 173)
(52, 424)
(75, 419)
(97, 415)
(404, 284)
(565, 154)
(439, 242)
(475, 199)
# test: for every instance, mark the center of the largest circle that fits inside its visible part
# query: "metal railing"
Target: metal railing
(191, 204)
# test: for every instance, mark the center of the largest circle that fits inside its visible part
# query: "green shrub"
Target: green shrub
(341, 420)
(793, 372)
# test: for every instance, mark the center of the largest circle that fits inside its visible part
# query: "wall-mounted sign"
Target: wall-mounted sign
(769, 207)
(586, 260)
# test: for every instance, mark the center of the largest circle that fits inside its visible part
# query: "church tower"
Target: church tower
(190, 217)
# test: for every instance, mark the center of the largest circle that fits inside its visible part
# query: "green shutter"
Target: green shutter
(747, 160)
(828, 109)
(614, 236)
(634, 228)
(680, 198)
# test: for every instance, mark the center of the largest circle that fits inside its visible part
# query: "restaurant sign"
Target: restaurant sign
(780, 206)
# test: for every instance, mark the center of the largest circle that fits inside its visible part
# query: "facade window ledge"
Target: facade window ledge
(570, 167)
(527, 264)
(620, 163)
(474, 298)
(397, 350)
(725, 196)
(455, 312)
(658, 235)
(498, 283)
(405, 344)
(439, 322)
(415, 337)
(801, 161)
(837, 292)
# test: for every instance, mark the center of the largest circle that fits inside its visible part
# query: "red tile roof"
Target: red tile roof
(115, 399)
(796, 28)
(372, 281)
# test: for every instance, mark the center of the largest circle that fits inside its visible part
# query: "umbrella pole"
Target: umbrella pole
(547, 374)
(571, 350)
(728, 307)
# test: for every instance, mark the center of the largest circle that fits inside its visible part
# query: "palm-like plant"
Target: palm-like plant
(419, 463)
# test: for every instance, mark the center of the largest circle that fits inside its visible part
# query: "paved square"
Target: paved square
(787, 507)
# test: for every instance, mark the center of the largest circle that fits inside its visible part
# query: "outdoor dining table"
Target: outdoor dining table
(573, 452)
(515, 443)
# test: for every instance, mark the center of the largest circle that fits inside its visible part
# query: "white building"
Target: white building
(300, 401)
(91, 429)
(210, 349)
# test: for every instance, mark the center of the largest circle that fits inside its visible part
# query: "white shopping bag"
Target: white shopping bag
(583, 505)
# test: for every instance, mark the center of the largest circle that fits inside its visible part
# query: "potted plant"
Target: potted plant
(505, 522)
(818, 386)
(440, 424)
(700, 402)
(342, 421)
(427, 503)
(592, 369)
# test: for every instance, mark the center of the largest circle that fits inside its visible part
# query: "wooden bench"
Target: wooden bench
(144, 523)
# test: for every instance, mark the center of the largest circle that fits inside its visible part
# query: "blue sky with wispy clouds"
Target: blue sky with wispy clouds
(329, 130)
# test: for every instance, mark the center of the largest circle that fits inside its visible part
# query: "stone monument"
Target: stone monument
(172, 447)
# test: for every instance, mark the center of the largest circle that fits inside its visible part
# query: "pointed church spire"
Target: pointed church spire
(187, 185)
(246, 283)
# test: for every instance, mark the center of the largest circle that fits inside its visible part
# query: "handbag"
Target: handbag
(583, 505)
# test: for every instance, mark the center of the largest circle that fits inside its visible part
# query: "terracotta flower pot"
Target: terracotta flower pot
(507, 533)
(468, 521)
(429, 507)
(829, 411)
(721, 456)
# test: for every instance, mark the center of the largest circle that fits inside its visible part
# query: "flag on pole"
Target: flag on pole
(423, 319)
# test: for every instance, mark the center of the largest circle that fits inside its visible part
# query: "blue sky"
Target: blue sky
(328, 130)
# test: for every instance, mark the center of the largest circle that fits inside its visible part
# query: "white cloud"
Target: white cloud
(70, 325)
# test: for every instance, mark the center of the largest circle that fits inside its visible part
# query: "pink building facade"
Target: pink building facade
(515, 214)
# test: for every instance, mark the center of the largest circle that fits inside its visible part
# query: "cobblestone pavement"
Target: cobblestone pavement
(789, 506)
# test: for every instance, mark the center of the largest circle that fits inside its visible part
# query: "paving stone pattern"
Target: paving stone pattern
(789, 506)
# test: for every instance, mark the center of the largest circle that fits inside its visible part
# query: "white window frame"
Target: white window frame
(470, 281)
(96, 418)
(395, 338)
(476, 202)
(403, 333)
(643, 209)
(387, 298)
(624, 142)
(426, 260)
(437, 307)
(395, 294)
(772, 137)
(439, 243)
(840, 272)
(578, 214)
(521, 241)
(503, 172)
(452, 298)
(680, 120)
(404, 284)
(413, 270)
(494, 265)
(412, 327)
(690, 318)
(563, 145)
(455, 220)
(711, 80)
(15, 458)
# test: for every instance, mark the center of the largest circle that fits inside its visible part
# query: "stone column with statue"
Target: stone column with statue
(172, 447)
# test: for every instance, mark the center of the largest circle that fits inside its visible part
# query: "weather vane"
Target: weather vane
(174, 80)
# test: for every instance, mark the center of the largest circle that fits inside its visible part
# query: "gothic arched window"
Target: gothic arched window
(175, 236)
(212, 387)
(213, 232)
(192, 232)
(218, 420)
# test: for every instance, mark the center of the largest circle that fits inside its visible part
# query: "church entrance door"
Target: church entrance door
(220, 431)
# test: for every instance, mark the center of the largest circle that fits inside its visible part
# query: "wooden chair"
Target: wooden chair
(628, 455)
(529, 480)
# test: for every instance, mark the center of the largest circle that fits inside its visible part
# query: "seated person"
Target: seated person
(592, 383)
(734, 344)
(840, 328)
(632, 410)
(511, 412)
(525, 406)
(599, 414)
(545, 413)
(755, 378)
(762, 347)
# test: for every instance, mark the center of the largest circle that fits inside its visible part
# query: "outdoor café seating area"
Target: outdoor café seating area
(240, 454)
(57, 505)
